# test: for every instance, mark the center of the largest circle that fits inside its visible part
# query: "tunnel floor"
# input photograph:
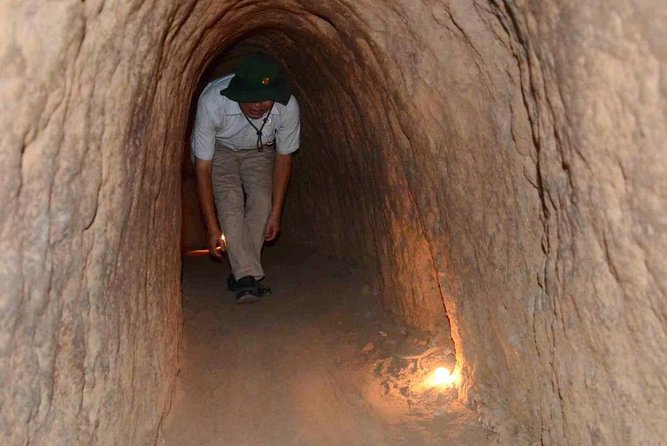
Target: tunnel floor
(317, 363)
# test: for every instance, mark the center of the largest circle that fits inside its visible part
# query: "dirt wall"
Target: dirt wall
(501, 165)
(89, 225)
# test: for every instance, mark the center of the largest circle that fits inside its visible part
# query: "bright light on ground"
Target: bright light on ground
(443, 377)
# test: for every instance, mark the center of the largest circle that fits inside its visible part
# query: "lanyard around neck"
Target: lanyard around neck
(259, 143)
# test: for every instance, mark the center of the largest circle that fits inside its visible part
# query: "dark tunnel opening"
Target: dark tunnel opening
(346, 129)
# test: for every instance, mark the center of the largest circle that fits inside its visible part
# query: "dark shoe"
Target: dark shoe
(247, 290)
(232, 285)
(262, 290)
(246, 296)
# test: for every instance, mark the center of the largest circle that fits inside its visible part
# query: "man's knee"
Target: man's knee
(229, 201)
(259, 200)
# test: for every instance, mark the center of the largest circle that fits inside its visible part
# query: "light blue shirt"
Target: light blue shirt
(220, 119)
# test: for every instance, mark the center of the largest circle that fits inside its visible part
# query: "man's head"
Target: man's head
(257, 84)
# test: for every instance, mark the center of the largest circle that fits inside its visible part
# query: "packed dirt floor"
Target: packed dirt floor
(317, 363)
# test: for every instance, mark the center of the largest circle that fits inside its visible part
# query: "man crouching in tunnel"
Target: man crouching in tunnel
(246, 129)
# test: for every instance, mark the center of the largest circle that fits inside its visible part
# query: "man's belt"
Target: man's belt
(268, 145)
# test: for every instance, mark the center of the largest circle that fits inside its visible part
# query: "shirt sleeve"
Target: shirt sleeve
(203, 133)
(288, 133)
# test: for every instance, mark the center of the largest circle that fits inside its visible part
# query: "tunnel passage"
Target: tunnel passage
(504, 161)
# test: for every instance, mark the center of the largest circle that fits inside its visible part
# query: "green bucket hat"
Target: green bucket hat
(258, 79)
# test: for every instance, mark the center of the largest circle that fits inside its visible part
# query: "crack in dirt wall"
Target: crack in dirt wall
(504, 161)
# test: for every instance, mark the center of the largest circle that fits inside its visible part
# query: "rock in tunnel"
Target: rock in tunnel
(501, 165)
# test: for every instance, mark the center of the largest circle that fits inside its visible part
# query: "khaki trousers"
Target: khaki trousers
(242, 187)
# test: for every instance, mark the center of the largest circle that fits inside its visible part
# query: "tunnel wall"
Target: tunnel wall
(499, 164)
(593, 77)
(89, 221)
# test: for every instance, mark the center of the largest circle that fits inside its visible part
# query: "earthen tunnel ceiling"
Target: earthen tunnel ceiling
(500, 164)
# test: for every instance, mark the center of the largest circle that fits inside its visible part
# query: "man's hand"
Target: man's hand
(215, 240)
(272, 227)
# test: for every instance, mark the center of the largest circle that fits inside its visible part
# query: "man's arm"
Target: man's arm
(287, 140)
(281, 176)
(205, 193)
(203, 147)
